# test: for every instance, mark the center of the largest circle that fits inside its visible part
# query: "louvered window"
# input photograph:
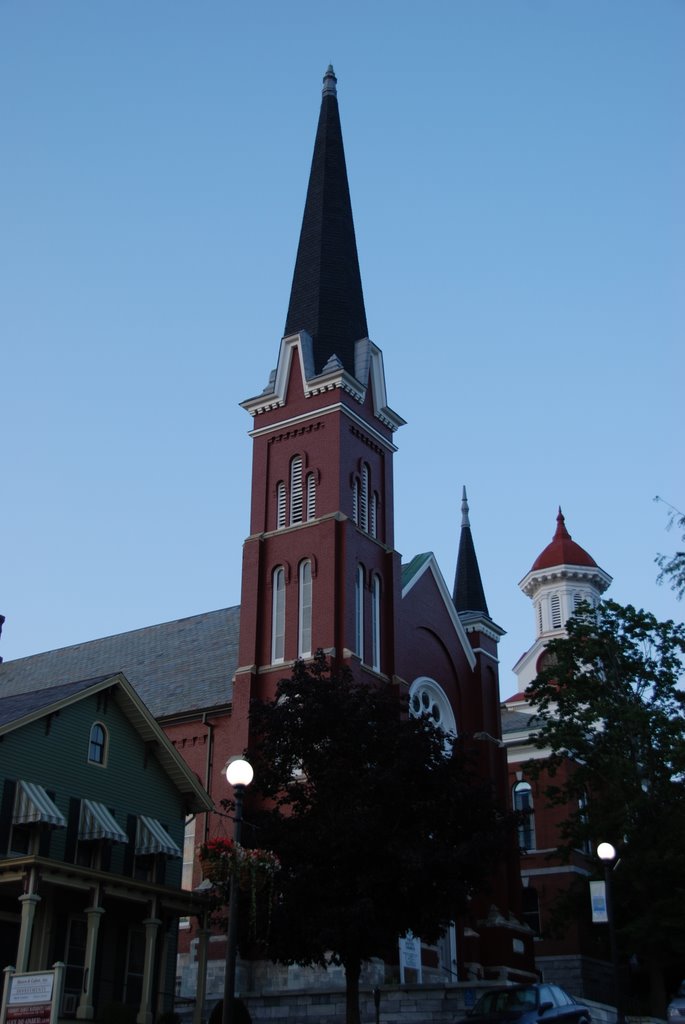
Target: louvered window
(539, 617)
(577, 600)
(278, 616)
(359, 612)
(364, 499)
(376, 624)
(373, 515)
(311, 497)
(281, 505)
(296, 490)
(304, 644)
(556, 611)
(355, 501)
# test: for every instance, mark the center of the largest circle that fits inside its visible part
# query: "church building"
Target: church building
(321, 571)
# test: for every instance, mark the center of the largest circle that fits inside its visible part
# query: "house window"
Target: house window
(304, 644)
(97, 744)
(135, 967)
(278, 616)
(523, 803)
(355, 501)
(373, 515)
(75, 960)
(311, 497)
(280, 505)
(296, 490)
(359, 612)
(376, 623)
(556, 611)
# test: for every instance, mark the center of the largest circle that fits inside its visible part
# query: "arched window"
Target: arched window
(359, 612)
(311, 497)
(97, 744)
(373, 515)
(296, 490)
(355, 501)
(426, 697)
(539, 611)
(280, 505)
(278, 616)
(364, 499)
(376, 623)
(556, 611)
(304, 633)
(523, 803)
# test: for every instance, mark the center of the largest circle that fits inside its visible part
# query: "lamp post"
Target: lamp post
(607, 854)
(239, 774)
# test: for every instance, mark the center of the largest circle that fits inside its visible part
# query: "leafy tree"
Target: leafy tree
(611, 709)
(673, 568)
(380, 825)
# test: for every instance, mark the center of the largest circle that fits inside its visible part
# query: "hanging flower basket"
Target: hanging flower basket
(254, 870)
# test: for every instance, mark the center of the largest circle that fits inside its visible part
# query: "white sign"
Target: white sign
(598, 897)
(410, 954)
(31, 988)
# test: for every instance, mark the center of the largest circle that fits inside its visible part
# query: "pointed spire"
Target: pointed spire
(326, 297)
(561, 533)
(468, 595)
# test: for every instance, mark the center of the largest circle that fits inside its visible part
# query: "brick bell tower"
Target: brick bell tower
(319, 565)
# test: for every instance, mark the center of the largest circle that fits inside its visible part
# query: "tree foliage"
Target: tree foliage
(381, 827)
(672, 569)
(609, 700)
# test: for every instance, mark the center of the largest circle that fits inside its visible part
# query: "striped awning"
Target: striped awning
(97, 822)
(32, 806)
(151, 837)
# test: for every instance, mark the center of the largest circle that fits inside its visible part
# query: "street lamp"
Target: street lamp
(239, 774)
(607, 854)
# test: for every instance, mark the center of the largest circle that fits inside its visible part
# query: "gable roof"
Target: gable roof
(413, 571)
(20, 710)
(326, 298)
(175, 667)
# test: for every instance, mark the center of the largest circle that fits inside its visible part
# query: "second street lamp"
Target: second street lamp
(239, 774)
(607, 854)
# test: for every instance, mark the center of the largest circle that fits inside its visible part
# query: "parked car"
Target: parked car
(528, 1004)
(676, 1007)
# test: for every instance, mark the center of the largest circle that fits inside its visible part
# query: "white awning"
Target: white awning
(96, 822)
(32, 806)
(151, 837)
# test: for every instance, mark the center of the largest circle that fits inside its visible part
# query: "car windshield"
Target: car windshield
(506, 1001)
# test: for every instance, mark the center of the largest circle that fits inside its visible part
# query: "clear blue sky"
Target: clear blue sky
(516, 169)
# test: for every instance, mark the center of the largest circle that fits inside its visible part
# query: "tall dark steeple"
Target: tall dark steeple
(326, 298)
(468, 595)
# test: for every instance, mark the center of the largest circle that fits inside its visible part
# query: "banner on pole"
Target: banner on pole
(598, 896)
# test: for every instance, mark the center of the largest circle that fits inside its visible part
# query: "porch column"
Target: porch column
(85, 1009)
(201, 985)
(28, 901)
(144, 1015)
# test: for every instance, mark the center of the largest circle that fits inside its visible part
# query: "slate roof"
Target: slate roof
(326, 298)
(175, 667)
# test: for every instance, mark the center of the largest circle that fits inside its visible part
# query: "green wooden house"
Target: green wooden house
(93, 803)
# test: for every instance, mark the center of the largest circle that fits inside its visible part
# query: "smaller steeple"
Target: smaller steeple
(468, 595)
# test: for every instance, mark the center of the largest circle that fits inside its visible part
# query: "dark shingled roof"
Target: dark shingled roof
(175, 667)
(326, 298)
(19, 705)
(468, 595)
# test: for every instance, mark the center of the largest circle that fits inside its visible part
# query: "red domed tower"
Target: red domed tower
(562, 576)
